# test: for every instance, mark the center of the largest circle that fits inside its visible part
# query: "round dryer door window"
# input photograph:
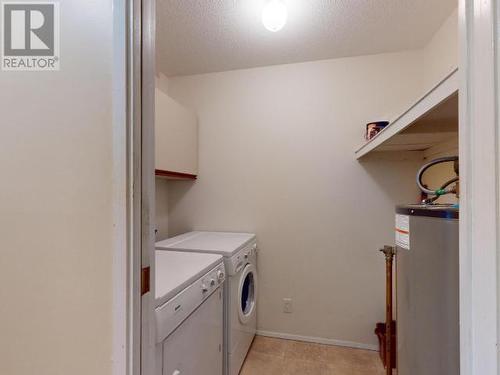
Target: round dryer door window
(247, 293)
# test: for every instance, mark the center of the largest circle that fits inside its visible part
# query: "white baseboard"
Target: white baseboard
(318, 340)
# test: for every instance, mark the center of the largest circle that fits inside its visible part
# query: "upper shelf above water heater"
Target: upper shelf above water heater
(431, 120)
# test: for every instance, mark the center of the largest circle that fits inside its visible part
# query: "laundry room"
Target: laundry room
(250, 187)
(293, 141)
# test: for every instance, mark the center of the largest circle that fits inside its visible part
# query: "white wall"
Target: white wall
(161, 184)
(277, 158)
(161, 82)
(161, 223)
(440, 56)
(56, 203)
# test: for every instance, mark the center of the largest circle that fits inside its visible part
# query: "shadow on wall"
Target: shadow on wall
(178, 190)
(396, 187)
(390, 175)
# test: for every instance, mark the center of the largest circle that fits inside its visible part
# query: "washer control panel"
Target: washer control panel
(173, 312)
(213, 280)
(241, 258)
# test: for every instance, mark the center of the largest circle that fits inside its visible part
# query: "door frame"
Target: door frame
(148, 196)
(142, 104)
(133, 186)
(479, 177)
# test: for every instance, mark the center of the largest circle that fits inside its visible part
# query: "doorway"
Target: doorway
(479, 205)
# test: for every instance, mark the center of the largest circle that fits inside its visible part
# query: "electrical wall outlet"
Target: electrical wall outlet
(287, 305)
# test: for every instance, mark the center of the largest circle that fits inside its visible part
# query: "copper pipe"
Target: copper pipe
(389, 252)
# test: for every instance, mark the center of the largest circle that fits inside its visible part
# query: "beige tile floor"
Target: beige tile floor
(270, 356)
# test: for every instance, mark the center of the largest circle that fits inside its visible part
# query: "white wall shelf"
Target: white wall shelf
(431, 120)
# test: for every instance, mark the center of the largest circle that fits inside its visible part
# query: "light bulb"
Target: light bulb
(274, 15)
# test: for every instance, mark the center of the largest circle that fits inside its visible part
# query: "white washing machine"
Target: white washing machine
(240, 303)
(189, 313)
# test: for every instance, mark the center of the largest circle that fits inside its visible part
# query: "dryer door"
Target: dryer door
(247, 294)
(195, 347)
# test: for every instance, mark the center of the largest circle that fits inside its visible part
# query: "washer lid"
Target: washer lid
(177, 270)
(224, 243)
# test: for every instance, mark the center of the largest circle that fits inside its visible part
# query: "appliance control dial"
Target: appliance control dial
(204, 288)
(220, 276)
(212, 282)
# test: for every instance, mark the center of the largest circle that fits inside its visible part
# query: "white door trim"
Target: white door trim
(148, 40)
(135, 206)
(133, 184)
(123, 359)
(479, 175)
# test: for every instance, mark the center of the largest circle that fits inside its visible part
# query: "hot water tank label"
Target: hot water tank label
(403, 231)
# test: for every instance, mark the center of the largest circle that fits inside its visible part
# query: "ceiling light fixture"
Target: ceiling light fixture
(274, 15)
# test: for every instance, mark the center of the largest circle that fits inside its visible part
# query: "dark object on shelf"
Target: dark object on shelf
(373, 128)
(380, 332)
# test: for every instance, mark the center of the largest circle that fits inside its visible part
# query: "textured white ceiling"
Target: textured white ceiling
(201, 36)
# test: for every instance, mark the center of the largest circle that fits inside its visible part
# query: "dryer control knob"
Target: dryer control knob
(212, 282)
(220, 276)
(204, 288)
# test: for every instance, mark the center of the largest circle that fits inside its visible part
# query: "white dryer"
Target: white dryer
(189, 313)
(240, 303)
